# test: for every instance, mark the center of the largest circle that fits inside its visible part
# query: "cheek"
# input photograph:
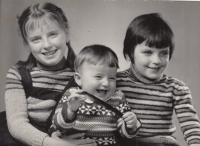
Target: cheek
(113, 85)
(35, 48)
(140, 60)
(165, 61)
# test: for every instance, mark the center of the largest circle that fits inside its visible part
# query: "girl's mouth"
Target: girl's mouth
(154, 68)
(49, 53)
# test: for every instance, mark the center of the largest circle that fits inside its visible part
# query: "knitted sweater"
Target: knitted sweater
(153, 101)
(20, 109)
(94, 119)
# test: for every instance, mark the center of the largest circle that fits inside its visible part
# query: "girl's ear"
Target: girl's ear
(127, 58)
(27, 47)
(77, 78)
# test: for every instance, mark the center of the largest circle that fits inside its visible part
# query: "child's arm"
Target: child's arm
(65, 114)
(186, 114)
(128, 125)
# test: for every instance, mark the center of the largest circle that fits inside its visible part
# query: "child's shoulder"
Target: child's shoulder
(177, 84)
(122, 73)
(174, 80)
(118, 95)
(124, 76)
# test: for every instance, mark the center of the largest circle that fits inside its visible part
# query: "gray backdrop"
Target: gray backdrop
(105, 22)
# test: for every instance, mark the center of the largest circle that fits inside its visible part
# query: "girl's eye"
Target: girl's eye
(165, 53)
(148, 52)
(36, 40)
(98, 77)
(53, 34)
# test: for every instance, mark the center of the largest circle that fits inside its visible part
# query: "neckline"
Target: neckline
(59, 66)
(141, 78)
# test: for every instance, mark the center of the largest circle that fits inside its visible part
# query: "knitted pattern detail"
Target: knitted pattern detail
(95, 120)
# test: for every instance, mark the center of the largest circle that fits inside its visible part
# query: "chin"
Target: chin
(153, 77)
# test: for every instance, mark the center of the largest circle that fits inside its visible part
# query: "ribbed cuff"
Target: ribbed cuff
(65, 115)
(134, 130)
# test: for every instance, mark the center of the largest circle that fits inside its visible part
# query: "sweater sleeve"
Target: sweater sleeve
(123, 108)
(17, 113)
(186, 114)
(60, 120)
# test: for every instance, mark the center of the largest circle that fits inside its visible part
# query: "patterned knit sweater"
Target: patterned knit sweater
(94, 119)
(19, 109)
(154, 101)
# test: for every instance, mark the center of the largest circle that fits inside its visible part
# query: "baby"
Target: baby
(95, 73)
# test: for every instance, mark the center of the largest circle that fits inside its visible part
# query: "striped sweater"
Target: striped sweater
(20, 109)
(154, 101)
(94, 119)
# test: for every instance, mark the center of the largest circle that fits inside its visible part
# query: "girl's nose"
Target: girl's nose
(156, 59)
(47, 44)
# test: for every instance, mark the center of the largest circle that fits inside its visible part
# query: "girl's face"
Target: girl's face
(48, 43)
(98, 80)
(150, 62)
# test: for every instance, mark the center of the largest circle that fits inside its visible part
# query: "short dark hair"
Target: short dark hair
(96, 54)
(151, 29)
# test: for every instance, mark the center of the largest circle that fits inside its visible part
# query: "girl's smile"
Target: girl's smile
(50, 53)
(150, 62)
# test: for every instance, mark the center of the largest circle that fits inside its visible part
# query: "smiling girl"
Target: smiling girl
(44, 29)
(152, 95)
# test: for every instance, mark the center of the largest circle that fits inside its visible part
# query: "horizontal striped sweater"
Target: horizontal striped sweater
(94, 119)
(154, 102)
(38, 109)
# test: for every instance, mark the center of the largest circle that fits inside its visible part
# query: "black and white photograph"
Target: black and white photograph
(99, 73)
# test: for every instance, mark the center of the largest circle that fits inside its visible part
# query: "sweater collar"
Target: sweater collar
(59, 66)
(134, 73)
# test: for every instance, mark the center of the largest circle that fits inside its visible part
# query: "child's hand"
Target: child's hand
(75, 100)
(57, 134)
(130, 119)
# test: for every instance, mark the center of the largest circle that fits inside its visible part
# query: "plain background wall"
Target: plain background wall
(105, 22)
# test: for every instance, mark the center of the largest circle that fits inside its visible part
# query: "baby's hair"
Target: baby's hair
(151, 29)
(96, 54)
(34, 17)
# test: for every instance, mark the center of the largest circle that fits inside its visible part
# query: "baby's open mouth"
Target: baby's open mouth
(102, 91)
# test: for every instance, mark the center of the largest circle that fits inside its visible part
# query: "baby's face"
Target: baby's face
(98, 80)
